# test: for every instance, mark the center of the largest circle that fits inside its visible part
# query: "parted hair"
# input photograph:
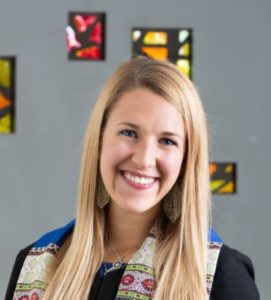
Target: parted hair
(181, 257)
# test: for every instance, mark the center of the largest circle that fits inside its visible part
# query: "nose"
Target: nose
(144, 155)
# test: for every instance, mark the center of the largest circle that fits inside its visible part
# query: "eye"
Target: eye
(128, 133)
(168, 142)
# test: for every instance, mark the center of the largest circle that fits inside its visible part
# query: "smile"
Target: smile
(138, 179)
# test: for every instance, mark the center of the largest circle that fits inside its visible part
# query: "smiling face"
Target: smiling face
(142, 151)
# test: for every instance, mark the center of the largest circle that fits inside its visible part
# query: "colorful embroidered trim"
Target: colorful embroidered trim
(33, 281)
(212, 258)
(33, 278)
(137, 282)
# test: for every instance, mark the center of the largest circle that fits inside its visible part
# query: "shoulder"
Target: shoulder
(55, 237)
(234, 277)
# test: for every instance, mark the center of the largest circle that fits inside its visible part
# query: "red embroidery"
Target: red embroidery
(35, 296)
(149, 284)
(127, 279)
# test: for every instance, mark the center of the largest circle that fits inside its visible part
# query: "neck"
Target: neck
(128, 230)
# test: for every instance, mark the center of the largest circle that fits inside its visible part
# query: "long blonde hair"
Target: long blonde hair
(180, 261)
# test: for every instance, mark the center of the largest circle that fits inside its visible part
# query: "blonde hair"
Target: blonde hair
(180, 261)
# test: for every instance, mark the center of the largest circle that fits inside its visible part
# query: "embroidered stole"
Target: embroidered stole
(138, 280)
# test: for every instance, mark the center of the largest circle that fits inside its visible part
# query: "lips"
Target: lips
(138, 179)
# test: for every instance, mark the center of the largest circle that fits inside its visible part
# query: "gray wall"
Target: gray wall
(40, 163)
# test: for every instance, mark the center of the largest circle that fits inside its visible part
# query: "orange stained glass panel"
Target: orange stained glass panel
(160, 53)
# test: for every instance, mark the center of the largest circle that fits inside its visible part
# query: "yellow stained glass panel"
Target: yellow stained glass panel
(229, 169)
(155, 38)
(215, 184)
(4, 73)
(184, 66)
(185, 49)
(227, 188)
(5, 124)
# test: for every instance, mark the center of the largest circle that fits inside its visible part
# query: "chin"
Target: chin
(139, 210)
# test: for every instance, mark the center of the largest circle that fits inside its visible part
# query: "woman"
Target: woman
(142, 225)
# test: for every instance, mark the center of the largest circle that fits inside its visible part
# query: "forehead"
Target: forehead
(147, 109)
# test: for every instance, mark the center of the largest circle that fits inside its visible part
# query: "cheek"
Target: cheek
(172, 166)
(113, 154)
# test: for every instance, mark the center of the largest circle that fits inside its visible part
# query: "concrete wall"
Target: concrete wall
(39, 165)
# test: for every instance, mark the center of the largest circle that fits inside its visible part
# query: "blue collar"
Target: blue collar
(58, 236)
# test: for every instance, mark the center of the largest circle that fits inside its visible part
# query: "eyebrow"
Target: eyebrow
(167, 133)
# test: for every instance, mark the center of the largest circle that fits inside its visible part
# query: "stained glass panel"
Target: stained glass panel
(7, 95)
(174, 45)
(86, 36)
(223, 177)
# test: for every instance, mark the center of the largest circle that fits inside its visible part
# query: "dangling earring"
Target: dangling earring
(172, 204)
(102, 196)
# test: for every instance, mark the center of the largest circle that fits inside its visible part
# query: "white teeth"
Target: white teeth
(136, 179)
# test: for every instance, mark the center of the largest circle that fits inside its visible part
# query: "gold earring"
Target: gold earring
(172, 204)
(102, 196)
